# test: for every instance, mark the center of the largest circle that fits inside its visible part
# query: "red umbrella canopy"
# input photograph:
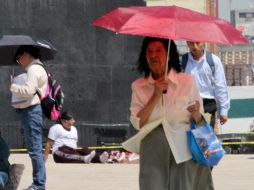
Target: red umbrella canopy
(170, 22)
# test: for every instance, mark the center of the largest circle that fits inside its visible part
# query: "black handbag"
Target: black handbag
(209, 105)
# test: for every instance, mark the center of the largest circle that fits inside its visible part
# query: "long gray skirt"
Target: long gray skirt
(159, 171)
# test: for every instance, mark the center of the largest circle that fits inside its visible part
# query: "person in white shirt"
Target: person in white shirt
(212, 85)
(166, 105)
(30, 111)
(63, 138)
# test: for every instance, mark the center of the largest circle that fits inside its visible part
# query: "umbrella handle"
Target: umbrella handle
(166, 68)
(13, 74)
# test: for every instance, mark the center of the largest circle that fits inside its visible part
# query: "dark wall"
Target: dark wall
(94, 66)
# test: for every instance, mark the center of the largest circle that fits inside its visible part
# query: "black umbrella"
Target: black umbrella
(10, 43)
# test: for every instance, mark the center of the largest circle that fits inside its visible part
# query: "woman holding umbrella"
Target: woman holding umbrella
(168, 102)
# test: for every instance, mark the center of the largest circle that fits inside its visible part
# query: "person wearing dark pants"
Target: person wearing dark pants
(4, 163)
(10, 175)
(30, 111)
(63, 137)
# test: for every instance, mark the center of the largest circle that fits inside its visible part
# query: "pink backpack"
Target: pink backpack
(52, 102)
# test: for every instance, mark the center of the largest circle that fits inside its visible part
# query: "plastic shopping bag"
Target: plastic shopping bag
(206, 149)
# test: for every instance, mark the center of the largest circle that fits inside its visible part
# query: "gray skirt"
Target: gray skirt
(159, 171)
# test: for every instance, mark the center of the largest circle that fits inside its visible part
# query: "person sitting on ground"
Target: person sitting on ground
(63, 138)
(10, 175)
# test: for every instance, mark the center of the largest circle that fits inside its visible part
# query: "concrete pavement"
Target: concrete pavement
(235, 172)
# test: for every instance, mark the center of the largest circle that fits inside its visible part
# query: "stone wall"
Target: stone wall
(94, 66)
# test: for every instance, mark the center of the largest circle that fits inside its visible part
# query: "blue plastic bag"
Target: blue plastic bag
(206, 149)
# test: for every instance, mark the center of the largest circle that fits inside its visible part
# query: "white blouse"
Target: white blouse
(170, 112)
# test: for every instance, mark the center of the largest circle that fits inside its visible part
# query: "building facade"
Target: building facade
(239, 59)
(238, 62)
(243, 20)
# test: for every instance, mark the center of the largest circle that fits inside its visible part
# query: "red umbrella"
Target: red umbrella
(170, 22)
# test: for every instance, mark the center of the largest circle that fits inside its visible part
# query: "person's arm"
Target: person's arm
(221, 90)
(195, 113)
(143, 114)
(48, 146)
(195, 107)
(30, 86)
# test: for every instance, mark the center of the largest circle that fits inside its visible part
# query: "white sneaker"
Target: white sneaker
(104, 157)
(133, 157)
(121, 157)
(88, 158)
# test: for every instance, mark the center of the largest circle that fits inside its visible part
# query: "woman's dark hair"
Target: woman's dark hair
(33, 51)
(65, 116)
(173, 62)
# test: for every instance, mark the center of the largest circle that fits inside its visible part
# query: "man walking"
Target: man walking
(209, 75)
(30, 110)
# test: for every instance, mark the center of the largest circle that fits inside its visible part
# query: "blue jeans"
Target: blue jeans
(3, 179)
(32, 120)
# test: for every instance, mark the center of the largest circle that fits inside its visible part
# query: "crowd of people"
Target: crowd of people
(166, 100)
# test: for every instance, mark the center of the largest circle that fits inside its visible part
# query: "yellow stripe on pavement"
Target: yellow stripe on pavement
(232, 143)
(91, 147)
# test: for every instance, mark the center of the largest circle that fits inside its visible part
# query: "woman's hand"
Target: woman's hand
(160, 86)
(194, 108)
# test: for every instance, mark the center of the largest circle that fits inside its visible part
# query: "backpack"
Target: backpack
(52, 102)
(209, 59)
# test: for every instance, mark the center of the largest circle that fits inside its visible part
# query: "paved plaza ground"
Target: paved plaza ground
(235, 172)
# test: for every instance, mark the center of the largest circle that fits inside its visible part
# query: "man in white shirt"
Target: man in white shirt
(212, 86)
(30, 111)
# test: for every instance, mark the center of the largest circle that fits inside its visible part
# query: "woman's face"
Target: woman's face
(67, 123)
(156, 56)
